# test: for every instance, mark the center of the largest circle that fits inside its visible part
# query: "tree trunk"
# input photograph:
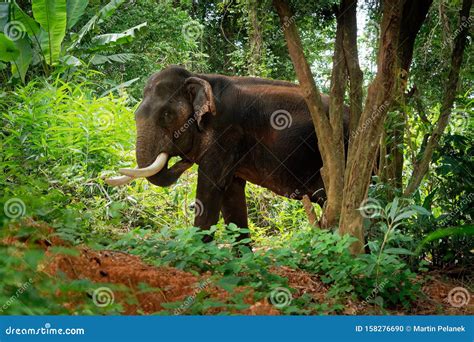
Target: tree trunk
(335, 171)
(363, 147)
(329, 129)
(255, 39)
(421, 166)
(309, 209)
(351, 55)
(414, 14)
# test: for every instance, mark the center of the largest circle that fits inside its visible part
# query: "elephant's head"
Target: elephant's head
(168, 121)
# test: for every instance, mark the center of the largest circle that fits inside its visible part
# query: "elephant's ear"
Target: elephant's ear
(202, 97)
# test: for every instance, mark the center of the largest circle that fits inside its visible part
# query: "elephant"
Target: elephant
(237, 129)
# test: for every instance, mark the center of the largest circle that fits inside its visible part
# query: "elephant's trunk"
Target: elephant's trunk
(149, 144)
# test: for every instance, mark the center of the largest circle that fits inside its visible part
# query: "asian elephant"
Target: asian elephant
(237, 129)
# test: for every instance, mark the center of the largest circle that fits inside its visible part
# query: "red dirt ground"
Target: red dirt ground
(171, 284)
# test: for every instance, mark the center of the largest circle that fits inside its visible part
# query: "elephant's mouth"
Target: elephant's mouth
(150, 172)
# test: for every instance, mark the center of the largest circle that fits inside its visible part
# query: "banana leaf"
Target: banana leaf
(445, 232)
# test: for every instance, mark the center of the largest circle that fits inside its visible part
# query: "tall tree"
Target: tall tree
(421, 166)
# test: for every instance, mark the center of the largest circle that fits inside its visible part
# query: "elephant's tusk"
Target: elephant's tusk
(148, 171)
(117, 181)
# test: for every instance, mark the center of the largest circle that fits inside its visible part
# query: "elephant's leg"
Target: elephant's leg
(234, 207)
(211, 186)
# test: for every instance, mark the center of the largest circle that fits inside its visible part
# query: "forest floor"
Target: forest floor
(131, 274)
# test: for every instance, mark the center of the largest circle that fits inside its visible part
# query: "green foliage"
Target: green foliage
(447, 189)
(51, 16)
(445, 232)
(64, 133)
(316, 251)
(41, 41)
(386, 269)
(9, 52)
(75, 10)
(166, 41)
(449, 200)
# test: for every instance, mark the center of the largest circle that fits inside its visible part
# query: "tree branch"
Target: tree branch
(351, 56)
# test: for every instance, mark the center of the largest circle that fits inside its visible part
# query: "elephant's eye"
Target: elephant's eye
(165, 118)
(166, 115)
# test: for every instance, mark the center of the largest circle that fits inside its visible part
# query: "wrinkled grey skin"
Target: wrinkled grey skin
(158, 118)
